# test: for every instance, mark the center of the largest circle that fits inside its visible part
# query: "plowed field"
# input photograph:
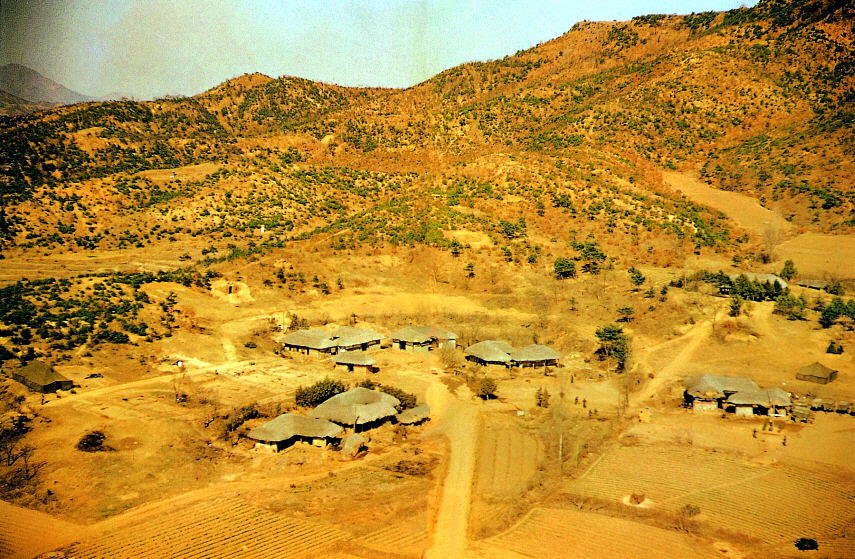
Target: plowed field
(25, 533)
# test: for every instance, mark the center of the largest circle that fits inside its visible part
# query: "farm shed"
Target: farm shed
(490, 352)
(352, 360)
(358, 407)
(414, 416)
(761, 402)
(707, 392)
(42, 378)
(284, 430)
(410, 339)
(816, 372)
(817, 284)
(307, 341)
(349, 338)
(535, 356)
(352, 444)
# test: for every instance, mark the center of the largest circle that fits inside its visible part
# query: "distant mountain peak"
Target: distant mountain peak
(30, 85)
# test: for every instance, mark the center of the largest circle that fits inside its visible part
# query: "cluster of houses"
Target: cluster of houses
(359, 409)
(744, 398)
(344, 341)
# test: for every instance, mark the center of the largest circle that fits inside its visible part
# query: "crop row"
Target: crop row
(408, 537)
(225, 528)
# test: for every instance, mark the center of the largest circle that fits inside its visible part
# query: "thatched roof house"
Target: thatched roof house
(535, 355)
(768, 400)
(410, 339)
(816, 372)
(761, 278)
(817, 284)
(440, 337)
(357, 406)
(490, 352)
(414, 415)
(42, 378)
(352, 360)
(714, 387)
(285, 429)
(350, 338)
(308, 340)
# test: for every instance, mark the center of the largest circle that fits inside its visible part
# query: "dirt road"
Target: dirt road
(459, 422)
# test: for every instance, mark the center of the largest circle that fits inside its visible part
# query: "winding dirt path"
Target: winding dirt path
(459, 422)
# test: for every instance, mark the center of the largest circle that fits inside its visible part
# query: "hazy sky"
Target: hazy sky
(149, 48)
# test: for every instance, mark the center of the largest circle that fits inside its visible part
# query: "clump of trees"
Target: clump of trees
(93, 442)
(614, 344)
(318, 393)
(407, 399)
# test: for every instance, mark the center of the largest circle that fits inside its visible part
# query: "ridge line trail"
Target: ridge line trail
(459, 421)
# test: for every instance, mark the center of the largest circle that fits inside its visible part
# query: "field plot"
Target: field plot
(210, 529)
(405, 538)
(547, 533)
(25, 533)
(770, 503)
(507, 460)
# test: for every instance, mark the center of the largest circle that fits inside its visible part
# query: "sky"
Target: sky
(150, 48)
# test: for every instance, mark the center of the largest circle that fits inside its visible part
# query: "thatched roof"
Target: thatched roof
(753, 276)
(312, 339)
(714, 386)
(817, 370)
(492, 351)
(351, 358)
(768, 398)
(535, 352)
(289, 425)
(410, 335)
(435, 332)
(348, 336)
(812, 283)
(414, 415)
(39, 374)
(357, 406)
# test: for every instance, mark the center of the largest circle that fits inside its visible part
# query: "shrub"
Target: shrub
(241, 415)
(542, 397)
(407, 400)
(564, 268)
(93, 442)
(806, 544)
(834, 348)
(318, 393)
(486, 388)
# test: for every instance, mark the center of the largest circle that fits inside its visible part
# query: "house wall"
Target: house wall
(744, 411)
(704, 405)
(447, 343)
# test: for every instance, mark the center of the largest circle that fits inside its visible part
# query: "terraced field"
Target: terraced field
(507, 460)
(404, 538)
(547, 533)
(770, 503)
(25, 533)
(220, 528)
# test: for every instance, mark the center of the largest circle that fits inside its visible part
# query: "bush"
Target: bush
(564, 268)
(834, 348)
(241, 415)
(407, 400)
(318, 393)
(806, 544)
(93, 442)
(486, 388)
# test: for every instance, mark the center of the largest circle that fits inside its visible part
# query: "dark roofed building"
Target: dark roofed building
(306, 341)
(490, 352)
(42, 378)
(284, 430)
(816, 372)
(535, 356)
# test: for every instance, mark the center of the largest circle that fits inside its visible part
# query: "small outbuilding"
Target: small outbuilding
(283, 431)
(358, 407)
(490, 352)
(535, 355)
(41, 377)
(440, 338)
(352, 445)
(414, 416)
(353, 360)
(816, 372)
(816, 284)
